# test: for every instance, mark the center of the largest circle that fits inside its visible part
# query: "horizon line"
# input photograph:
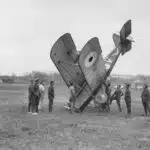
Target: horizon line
(51, 72)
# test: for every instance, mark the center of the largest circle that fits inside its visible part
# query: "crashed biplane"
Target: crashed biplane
(87, 69)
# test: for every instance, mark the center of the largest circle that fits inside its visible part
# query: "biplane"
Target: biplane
(87, 69)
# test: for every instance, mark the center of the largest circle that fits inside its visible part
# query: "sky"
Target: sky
(29, 28)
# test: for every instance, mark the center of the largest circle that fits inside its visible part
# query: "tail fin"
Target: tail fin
(125, 43)
(125, 31)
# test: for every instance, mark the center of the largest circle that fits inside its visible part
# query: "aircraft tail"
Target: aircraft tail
(125, 42)
(122, 44)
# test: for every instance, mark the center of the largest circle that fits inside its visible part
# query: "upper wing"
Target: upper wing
(64, 55)
(93, 67)
(91, 62)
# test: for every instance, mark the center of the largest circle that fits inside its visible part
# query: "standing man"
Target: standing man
(127, 98)
(145, 95)
(42, 91)
(51, 95)
(108, 92)
(117, 96)
(72, 97)
(30, 96)
(36, 97)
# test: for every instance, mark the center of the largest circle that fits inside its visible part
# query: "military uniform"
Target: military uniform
(117, 96)
(108, 92)
(145, 95)
(36, 97)
(128, 99)
(51, 97)
(30, 97)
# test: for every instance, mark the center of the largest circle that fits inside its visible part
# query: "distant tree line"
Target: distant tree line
(25, 78)
(47, 77)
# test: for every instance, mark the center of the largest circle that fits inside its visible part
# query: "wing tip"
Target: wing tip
(93, 40)
(64, 36)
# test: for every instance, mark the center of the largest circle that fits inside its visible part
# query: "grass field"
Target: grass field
(62, 130)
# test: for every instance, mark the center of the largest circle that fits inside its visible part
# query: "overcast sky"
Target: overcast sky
(27, 27)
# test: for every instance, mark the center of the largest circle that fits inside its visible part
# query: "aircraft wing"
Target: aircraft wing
(93, 65)
(64, 54)
(91, 62)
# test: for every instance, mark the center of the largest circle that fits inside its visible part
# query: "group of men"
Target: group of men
(37, 90)
(36, 96)
(117, 96)
(145, 97)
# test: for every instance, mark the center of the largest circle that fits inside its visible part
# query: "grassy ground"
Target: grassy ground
(62, 130)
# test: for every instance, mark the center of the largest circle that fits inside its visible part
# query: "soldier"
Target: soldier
(145, 96)
(127, 98)
(51, 95)
(42, 90)
(117, 96)
(108, 92)
(72, 97)
(36, 97)
(30, 96)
